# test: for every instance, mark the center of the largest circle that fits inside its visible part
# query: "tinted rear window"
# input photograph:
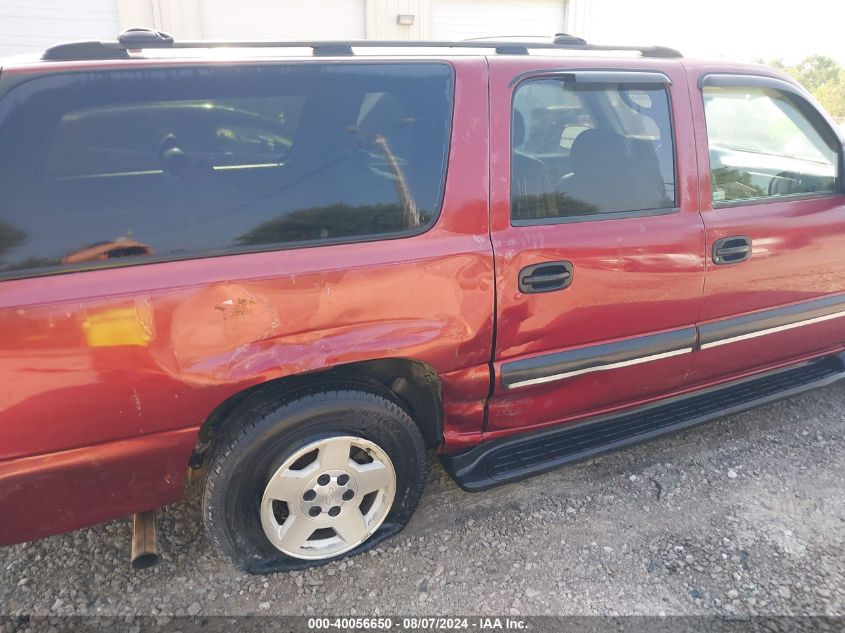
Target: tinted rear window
(129, 166)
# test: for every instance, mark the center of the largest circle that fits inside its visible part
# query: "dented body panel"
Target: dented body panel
(107, 375)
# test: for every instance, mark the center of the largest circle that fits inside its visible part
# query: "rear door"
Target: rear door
(598, 240)
(774, 213)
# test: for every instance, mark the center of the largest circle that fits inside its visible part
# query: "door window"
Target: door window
(590, 151)
(763, 146)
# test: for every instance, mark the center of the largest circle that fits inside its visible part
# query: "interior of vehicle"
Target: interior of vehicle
(762, 145)
(590, 149)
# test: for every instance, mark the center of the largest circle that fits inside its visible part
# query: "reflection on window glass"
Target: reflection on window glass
(116, 167)
(586, 149)
(762, 146)
(216, 134)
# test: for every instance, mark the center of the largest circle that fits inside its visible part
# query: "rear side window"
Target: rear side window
(763, 146)
(129, 166)
(583, 151)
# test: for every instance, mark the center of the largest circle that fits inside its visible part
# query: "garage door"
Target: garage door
(28, 26)
(282, 19)
(464, 19)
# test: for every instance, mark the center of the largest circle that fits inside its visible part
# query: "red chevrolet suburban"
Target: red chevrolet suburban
(297, 266)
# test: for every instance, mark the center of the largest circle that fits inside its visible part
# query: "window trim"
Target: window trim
(814, 116)
(587, 77)
(597, 76)
(793, 197)
(597, 217)
(55, 270)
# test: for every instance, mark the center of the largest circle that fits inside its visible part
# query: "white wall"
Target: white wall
(382, 23)
(180, 18)
(282, 19)
(465, 19)
(33, 25)
(344, 19)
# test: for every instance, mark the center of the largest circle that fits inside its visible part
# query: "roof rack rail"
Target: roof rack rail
(140, 38)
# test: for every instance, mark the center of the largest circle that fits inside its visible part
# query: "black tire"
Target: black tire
(262, 432)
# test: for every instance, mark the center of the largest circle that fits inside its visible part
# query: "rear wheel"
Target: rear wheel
(313, 478)
(328, 497)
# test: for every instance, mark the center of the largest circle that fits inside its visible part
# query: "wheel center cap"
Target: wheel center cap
(328, 495)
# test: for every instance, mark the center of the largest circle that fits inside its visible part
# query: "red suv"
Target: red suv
(296, 266)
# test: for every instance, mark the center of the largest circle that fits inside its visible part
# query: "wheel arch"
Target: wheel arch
(416, 386)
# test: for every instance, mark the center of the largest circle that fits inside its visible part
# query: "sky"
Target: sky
(742, 30)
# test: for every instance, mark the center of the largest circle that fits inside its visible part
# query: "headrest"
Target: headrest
(598, 145)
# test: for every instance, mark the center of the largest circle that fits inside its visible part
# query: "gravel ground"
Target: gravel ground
(744, 516)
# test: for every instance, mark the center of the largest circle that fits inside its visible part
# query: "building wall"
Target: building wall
(311, 21)
(185, 19)
(579, 18)
(282, 19)
(180, 18)
(468, 19)
(30, 26)
(646, 22)
(383, 24)
(33, 25)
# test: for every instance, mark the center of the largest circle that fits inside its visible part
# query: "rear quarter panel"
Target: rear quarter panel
(106, 376)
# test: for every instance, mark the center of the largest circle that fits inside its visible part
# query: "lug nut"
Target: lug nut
(315, 511)
(309, 495)
(323, 480)
(334, 511)
(347, 496)
(342, 480)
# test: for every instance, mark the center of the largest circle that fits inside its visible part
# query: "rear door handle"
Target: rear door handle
(732, 250)
(545, 277)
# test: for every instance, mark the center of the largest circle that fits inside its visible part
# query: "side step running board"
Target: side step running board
(514, 458)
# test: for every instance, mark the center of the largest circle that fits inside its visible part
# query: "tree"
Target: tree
(832, 96)
(816, 71)
(823, 77)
